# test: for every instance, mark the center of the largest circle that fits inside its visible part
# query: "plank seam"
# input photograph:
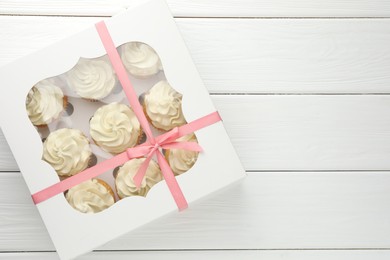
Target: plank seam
(216, 250)
(210, 17)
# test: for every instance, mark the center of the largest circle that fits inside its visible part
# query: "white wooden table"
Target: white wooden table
(303, 88)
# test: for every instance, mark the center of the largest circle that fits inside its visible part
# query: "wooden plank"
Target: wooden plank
(251, 55)
(220, 254)
(299, 132)
(269, 210)
(205, 8)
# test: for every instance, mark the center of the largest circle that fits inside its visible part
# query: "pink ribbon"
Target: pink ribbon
(151, 147)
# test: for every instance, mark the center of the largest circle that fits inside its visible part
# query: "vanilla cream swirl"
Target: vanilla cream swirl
(124, 183)
(181, 160)
(163, 106)
(92, 78)
(140, 59)
(91, 196)
(114, 127)
(44, 103)
(67, 151)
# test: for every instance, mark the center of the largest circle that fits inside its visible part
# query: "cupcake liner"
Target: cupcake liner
(69, 109)
(108, 187)
(91, 100)
(65, 102)
(41, 126)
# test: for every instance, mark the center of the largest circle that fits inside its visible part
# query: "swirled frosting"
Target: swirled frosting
(140, 59)
(44, 103)
(67, 151)
(182, 160)
(162, 105)
(124, 180)
(92, 78)
(91, 196)
(114, 127)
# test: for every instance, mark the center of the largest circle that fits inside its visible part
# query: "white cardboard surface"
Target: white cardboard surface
(72, 232)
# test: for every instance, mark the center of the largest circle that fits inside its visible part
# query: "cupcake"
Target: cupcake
(114, 128)
(181, 160)
(67, 151)
(91, 196)
(140, 59)
(92, 79)
(45, 103)
(162, 106)
(124, 183)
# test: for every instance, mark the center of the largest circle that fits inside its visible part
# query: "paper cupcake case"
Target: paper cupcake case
(73, 232)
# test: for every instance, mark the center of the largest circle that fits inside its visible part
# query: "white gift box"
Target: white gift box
(74, 233)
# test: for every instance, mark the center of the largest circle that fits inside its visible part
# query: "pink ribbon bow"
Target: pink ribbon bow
(165, 141)
(150, 148)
